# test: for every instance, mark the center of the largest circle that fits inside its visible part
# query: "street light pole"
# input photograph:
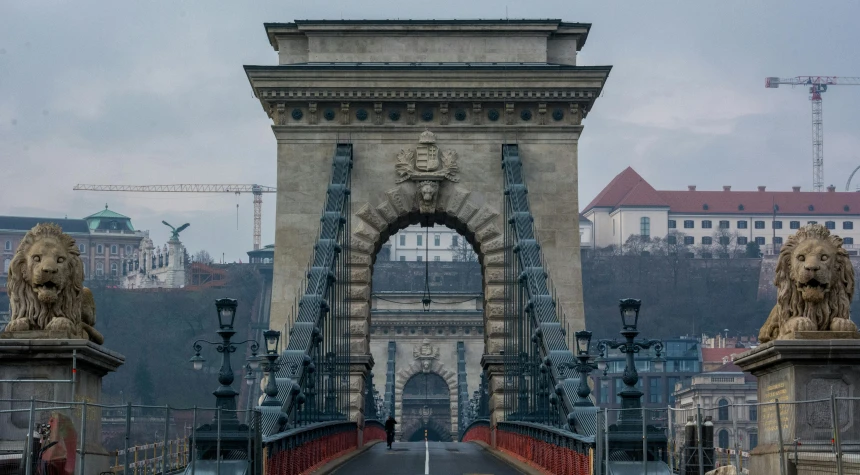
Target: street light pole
(631, 407)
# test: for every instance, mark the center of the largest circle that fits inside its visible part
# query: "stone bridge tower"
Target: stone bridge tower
(427, 106)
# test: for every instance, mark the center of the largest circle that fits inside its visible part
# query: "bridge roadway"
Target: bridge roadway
(436, 458)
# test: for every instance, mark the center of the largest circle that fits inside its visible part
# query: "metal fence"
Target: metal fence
(85, 438)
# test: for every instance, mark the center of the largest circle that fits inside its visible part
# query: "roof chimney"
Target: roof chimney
(761, 188)
(795, 189)
(831, 189)
(691, 187)
(727, 188)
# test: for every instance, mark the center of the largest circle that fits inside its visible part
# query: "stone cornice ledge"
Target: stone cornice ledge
(88, 353)
(779, 353)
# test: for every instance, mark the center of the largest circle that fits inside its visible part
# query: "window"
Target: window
(8, 245)
(753, 413)
(830, 224)
(760, 241)
(100, 269)
(420, 239)
(794, 224)
(688, 240)
(707, 240)
(455, 240)
(437, 239)
(6, 263)
(706, 224)
(114, 249)
(724, 439)
(777, 241)
(437, 258)
(742, 224)
(127, 250)
(672, 239)
(402, 258)
(645, 227)
(723, 410)
(113, 269)
(847, 225)
(100, 249)
(724, 225)
(671, 381)
(82, 248)
(402, 239)
(655, 392)
(419, 258)
(759, 224)
(604, 390)
(777, 224)
(742, 241)
(688, 224)
(672, 224)
(753, 440)
(848, 240)
(725, 240)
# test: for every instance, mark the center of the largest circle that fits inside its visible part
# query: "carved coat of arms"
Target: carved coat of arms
(427, 166)
(425, 354)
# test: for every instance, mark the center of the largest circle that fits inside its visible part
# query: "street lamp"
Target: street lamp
(272, 338)
(225, 395)
(584, 367)
(630, 417)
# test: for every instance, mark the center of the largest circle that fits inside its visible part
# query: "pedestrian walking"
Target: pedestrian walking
(389, 430)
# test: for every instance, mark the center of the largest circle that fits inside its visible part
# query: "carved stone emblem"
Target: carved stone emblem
(427, 166)
(425, 354)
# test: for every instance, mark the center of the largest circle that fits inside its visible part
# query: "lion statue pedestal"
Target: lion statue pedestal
(810, 350)
(51, 337)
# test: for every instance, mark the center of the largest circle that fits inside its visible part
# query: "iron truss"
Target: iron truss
(313, 382)
(538, 388)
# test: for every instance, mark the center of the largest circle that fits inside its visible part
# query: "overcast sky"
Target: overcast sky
(154, 92)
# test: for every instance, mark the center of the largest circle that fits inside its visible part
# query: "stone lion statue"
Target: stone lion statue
(815, 282)
(46, 286)
(427, 192)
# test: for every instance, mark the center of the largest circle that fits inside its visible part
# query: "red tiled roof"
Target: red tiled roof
(630, 189)
(716, 355)
(733, 368)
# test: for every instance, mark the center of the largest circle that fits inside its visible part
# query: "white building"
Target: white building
(629, 206)
(155, 267)
(416, 243)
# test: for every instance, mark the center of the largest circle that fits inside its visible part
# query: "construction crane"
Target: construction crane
(817, 86)
(256, 190)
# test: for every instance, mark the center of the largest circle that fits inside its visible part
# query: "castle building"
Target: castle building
(105, 239)
(719, 222)
(155, 267)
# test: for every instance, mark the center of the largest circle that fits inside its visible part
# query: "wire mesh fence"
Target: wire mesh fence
(84, 438)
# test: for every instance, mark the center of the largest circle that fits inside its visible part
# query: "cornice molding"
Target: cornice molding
(280, 94)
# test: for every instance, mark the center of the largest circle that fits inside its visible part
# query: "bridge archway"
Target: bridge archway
(425, 402)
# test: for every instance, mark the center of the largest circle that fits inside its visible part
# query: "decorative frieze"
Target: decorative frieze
(466, 95)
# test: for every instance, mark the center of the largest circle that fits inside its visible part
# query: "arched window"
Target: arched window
(723, 412)
(113, 269)
(114, 249)
(82, 248)
(100, 269)
(6, 263)
(8, 245)
(753, 440)
(100, 249)
(645, 227)
(723, 439)
(127, 250)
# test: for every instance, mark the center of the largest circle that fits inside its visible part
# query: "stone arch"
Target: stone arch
(432, 366)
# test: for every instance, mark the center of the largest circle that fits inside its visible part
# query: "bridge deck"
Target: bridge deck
(409, 458)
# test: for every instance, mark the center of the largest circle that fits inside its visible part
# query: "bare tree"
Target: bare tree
(203, 257)
(462, 250)
(726, 243)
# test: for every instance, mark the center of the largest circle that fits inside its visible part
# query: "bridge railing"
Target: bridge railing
(478, 430)
(303, 449)
(553, 450)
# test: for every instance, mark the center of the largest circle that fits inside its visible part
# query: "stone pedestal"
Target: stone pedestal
(53, 360)
(803, 370)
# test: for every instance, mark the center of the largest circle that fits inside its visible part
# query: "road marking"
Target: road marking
(426, 457)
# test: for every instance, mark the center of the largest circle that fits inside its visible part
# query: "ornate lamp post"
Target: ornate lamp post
(272, 338)
(630, 423)
(584, 367)
(225, 395)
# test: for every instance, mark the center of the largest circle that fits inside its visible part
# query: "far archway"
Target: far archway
(426, 407)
